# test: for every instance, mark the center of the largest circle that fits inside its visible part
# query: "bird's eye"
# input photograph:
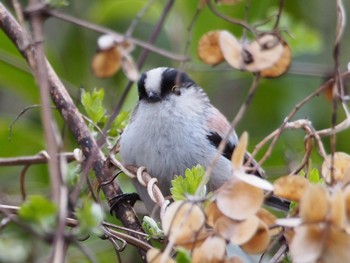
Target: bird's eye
(176, 90)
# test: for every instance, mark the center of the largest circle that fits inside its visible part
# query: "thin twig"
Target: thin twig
(223, 143)
(279, 14)
(230, 19)
(145, 45)
(297, 107)
(76, 124)
(36, 159)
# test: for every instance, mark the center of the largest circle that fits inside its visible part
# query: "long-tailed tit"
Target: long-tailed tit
(173, 127)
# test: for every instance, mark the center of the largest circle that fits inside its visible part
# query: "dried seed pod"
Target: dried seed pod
(291, 187)
(208, 48)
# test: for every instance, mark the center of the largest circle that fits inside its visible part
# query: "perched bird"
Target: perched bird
(173, 127)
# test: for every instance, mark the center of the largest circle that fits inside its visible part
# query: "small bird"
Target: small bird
(174, 127)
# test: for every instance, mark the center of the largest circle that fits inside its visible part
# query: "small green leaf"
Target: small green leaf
(314, 176)
(152, 228)
(40, 212)
(119, 123)
(183, 256)
(90, 217)
(93, 104)
(188, 184)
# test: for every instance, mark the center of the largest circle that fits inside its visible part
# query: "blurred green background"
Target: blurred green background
(309, 28)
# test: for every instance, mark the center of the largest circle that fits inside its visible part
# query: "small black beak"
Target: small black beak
(153, 97)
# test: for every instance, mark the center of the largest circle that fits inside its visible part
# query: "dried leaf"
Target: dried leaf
(263, 53)
(314, 204)
(239, 200)
(231, 49)
(259, 242)
(282, 64)
(208, 48)
(106, 62)
(212, 250)
(291, 187)
(182, 221)
(237, 232)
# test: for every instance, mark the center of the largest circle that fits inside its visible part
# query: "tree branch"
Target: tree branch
(73, 119)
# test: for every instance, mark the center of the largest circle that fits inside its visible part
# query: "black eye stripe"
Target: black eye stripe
(141, 87)
(173, 77)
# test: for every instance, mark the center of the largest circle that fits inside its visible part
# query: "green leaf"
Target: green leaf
(40, 212)
(183, 256)
(93, 104)
(151, 228)
(90, 217)
(188, 184)
(314, 176)
(119, 123)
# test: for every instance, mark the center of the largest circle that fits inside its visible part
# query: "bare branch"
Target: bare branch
(76, 124)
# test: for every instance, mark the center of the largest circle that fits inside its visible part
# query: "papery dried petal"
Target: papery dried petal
(239, 200)
(237, 232)
(263, 53)
(338, 213)
(254, 180)
(105, 42)
(182, 221)
(155, 256)
(269, 219)
(208, 48)
(282, 64)
(259, 241)
(314, 204)
(347, 201)
(290, 187)
(239, 152)
(107, 62)
(212, 250)
(129, 68)
(231, 49)
(341, 164)
(337, 247)
(308, 243)
(213, 213)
